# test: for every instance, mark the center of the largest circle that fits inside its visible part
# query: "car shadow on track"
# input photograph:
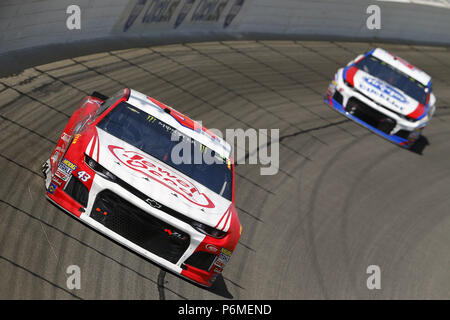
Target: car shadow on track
(420, 145)
(220, 288)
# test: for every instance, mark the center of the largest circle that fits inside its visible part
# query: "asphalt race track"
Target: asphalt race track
(344, 198)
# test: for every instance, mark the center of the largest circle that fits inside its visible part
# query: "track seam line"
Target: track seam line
(87, 245)
(254, 183)
(250, 215)
(46, 237)
(260, 84)
(65, 83)
(28, 129)
(100, 73)
(227, 89)
(36, 100)
(39, 277)
(300, 83)
(160, 283)
(20, 165)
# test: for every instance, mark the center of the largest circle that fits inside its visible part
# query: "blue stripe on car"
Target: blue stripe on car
(336, 105)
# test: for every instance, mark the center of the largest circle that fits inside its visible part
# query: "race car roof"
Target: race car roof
(181, 122)
(402, 65)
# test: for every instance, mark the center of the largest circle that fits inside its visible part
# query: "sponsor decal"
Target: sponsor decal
(164, 11)
(234, 11)
(226, 252)
(223, 258)
(69, 164)
(153, 203)
(134, 14)
(64, 169)
(75, 139)
(151, 169)
(219, 263)
(383, 90)
(175, 234)
(57, 181)
(217, 270)
(209, 10)
(51, 189)
(211, 248)
(187, 6)
(213, 278)
(62, 175)
(160, 11)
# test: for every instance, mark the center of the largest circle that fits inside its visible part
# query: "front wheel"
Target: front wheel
(413, 137)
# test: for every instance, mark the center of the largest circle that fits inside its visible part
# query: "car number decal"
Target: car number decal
(83, 176)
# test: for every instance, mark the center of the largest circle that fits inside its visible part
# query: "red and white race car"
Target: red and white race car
(113, 168)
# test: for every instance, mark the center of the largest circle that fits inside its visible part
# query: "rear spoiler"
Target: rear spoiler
(98, 95)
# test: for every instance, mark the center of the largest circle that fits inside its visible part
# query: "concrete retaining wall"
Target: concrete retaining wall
(26, 24)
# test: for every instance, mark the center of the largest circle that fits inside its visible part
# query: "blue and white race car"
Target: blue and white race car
(385, 94)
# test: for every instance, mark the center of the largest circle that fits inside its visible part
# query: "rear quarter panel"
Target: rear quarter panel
(76, 124)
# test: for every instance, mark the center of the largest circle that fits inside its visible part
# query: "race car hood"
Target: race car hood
(159, 181)
(383, 93)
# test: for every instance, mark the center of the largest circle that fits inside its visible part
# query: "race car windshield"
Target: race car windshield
(396, 78)
(154, 137)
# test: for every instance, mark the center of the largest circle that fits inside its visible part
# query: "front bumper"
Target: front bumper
(401, 141)
(152, 233)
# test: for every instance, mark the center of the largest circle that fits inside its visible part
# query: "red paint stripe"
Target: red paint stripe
(181, 118)
(418, 112)
(160, 104)
(95, 144)
(223, 216)
(92, 147)
(350, 75)
(402, 61)
(226, 221)
(98, 146)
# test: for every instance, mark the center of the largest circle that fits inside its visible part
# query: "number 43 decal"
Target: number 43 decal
(83, 176)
